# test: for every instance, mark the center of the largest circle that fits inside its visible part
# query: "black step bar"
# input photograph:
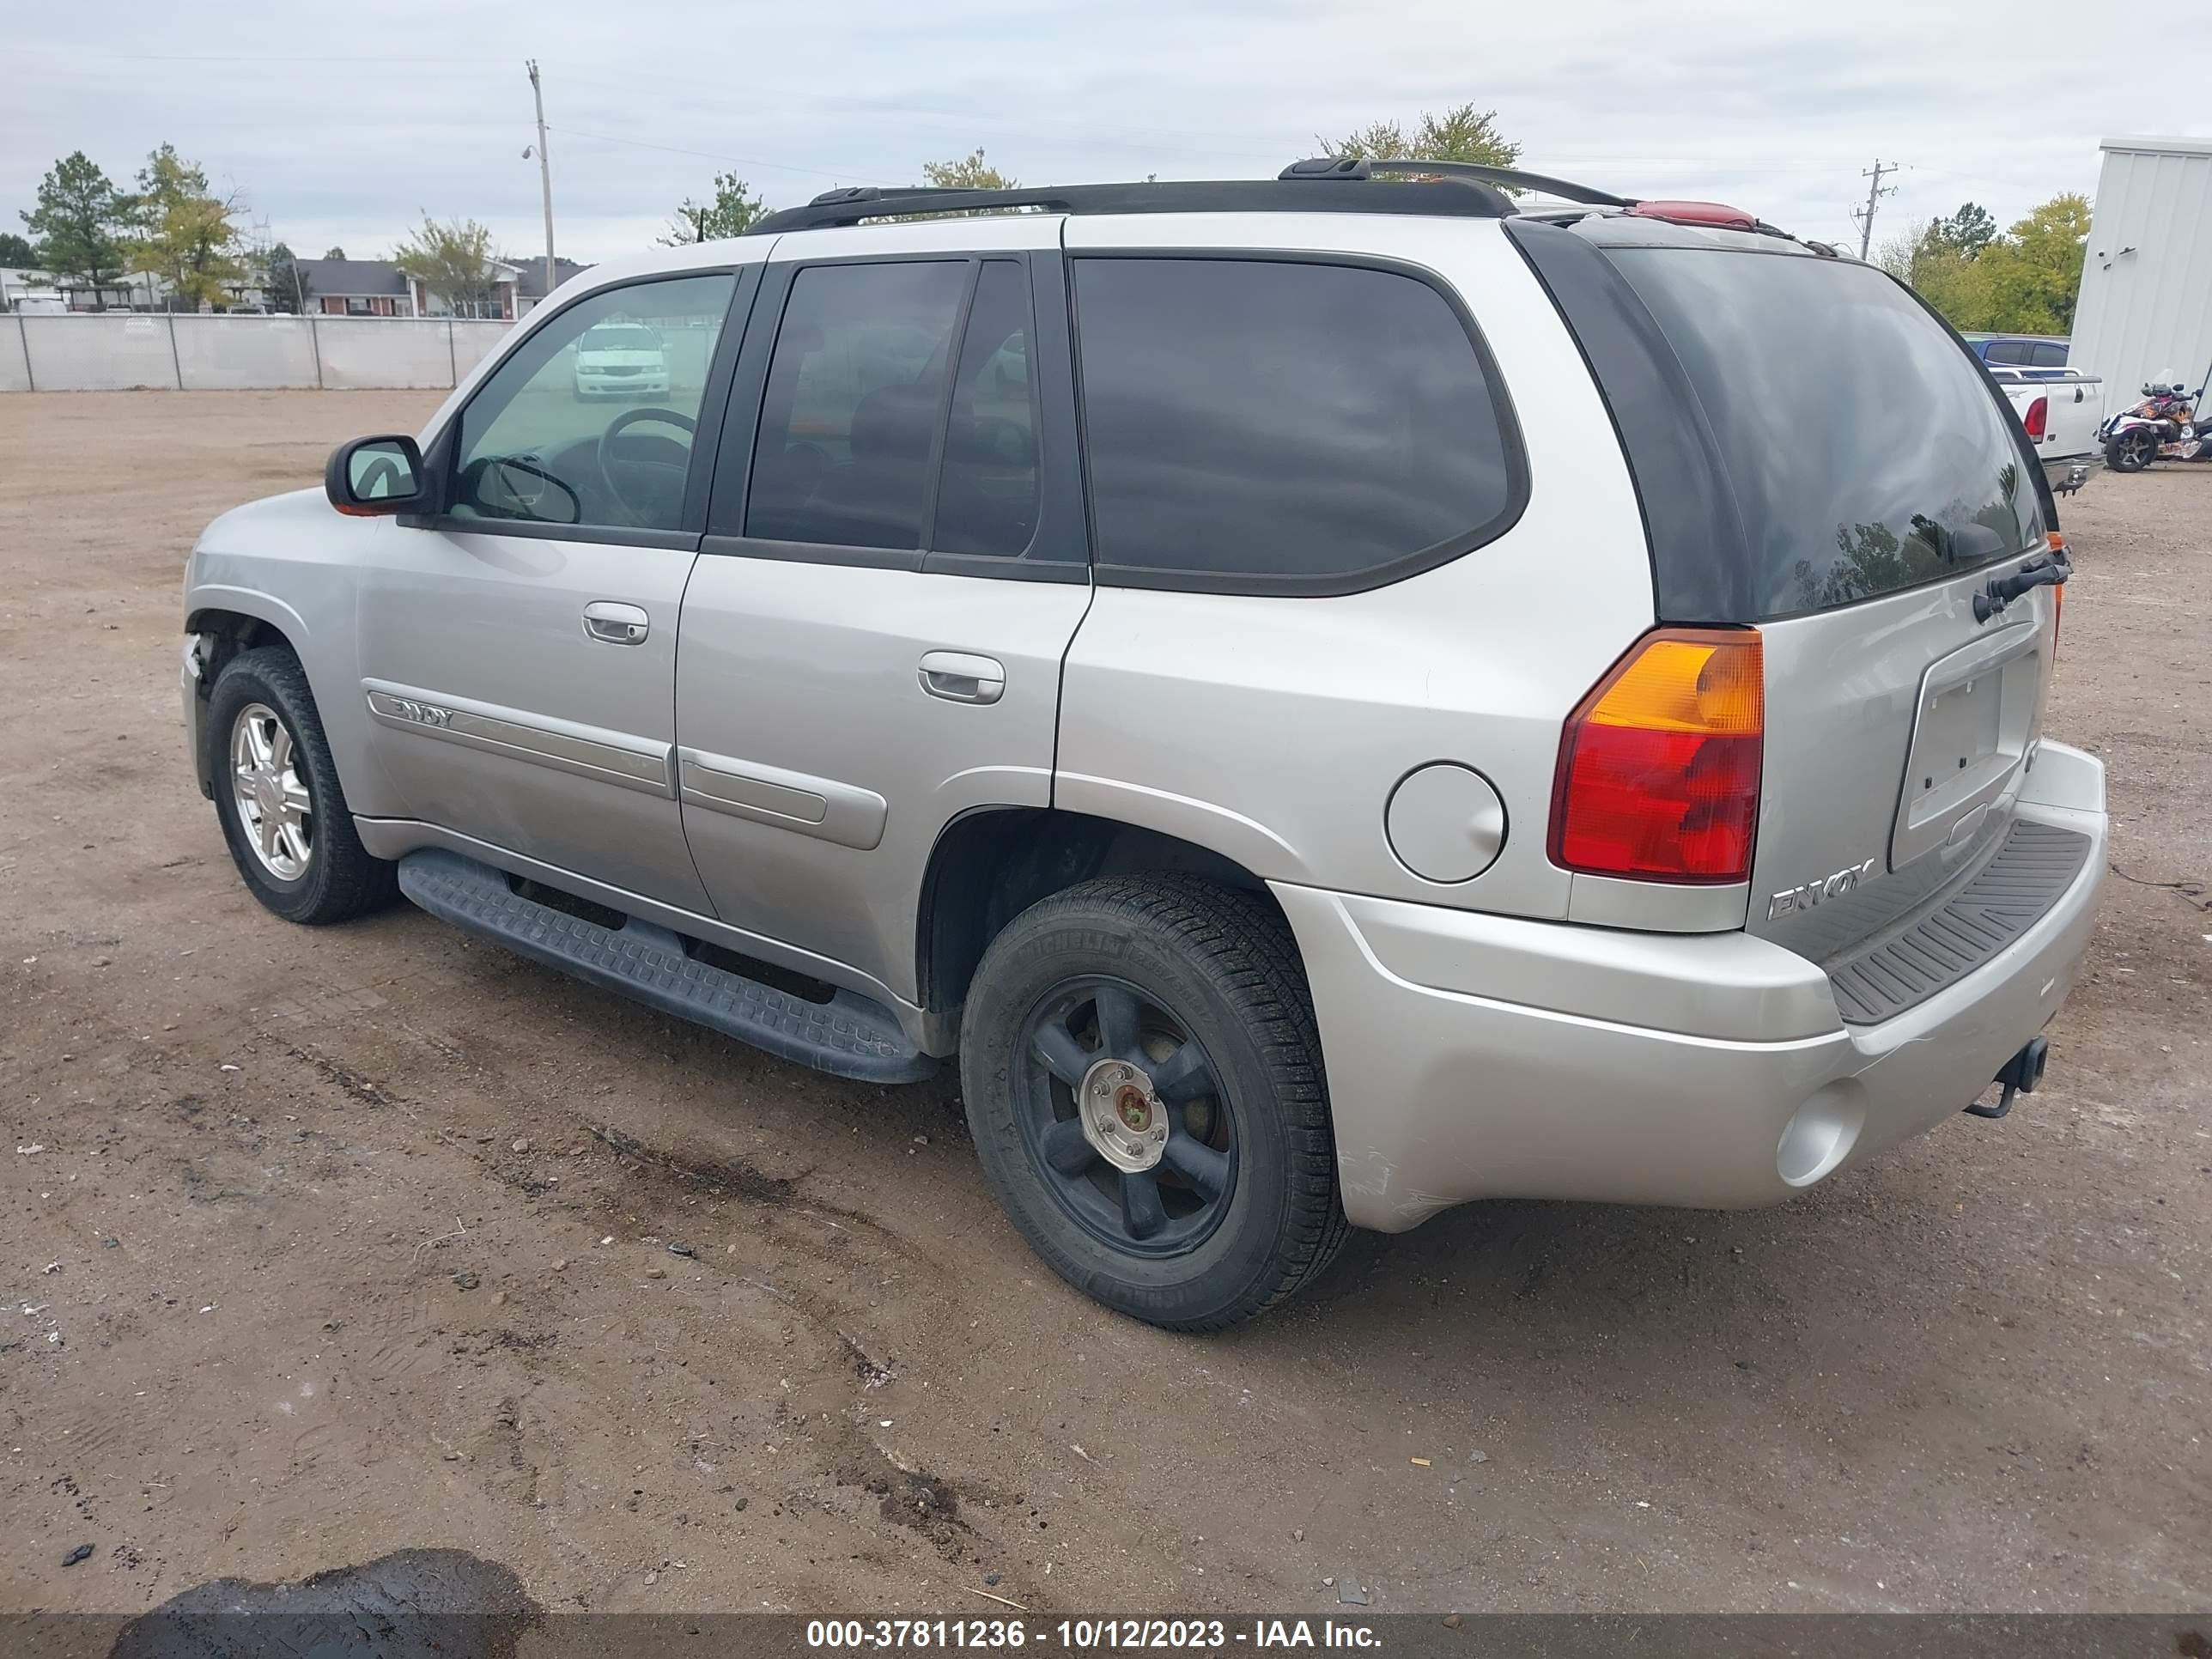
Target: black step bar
(849, 1036)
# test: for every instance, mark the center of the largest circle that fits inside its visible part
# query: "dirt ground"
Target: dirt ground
(320, 1245)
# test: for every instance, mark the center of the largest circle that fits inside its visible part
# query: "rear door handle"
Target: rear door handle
(958, 677)
(611, 623)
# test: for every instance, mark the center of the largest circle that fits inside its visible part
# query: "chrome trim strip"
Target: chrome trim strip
(566, 746)
(821, 807)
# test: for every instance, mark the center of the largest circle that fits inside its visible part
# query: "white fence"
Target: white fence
(119, 352)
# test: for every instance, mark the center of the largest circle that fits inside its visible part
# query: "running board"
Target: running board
(849, 1036)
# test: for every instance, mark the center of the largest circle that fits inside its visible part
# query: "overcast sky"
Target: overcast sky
(339, 125)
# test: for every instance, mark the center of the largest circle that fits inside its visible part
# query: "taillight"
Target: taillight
(1658, 777)
(2039, 414)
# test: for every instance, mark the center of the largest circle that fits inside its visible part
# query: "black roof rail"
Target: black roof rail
(1345, 166)
(853, 205)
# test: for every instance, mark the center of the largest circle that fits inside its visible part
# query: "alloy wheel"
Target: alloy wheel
(274, 807)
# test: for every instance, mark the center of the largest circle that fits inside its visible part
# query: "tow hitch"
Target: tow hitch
(2019, 1075)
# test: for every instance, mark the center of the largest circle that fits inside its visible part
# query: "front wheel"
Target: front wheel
(277, 797)
(2132, 451)
(1144, 1081)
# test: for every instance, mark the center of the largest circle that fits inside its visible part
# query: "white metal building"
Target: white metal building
(2145, 312)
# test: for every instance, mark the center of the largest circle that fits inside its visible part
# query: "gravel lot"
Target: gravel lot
(319, 1245)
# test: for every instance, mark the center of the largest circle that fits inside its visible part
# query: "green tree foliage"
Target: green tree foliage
(731, 211)
(452, 259)
(185, 234)
(967, 173)
(78, 223)
(1970, 229)
(1460, 134)
(2023, 281)
(15, 252)
(334, 253)
(286, 285)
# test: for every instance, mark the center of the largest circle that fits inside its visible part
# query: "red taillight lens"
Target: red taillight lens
(1658, 777)
(2039, 415)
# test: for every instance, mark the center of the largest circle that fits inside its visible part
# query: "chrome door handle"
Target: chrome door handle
(957, 676)
(616, 624)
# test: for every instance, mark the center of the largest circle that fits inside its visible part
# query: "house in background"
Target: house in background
(377, 288)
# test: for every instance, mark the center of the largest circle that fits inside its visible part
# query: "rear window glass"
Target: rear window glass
(1864, 449)
(1257, 424)
(627, 338)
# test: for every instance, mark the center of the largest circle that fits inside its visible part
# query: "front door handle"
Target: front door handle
(958, 677)
(616, 624)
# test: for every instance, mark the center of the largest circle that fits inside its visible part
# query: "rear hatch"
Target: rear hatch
(1864, 483)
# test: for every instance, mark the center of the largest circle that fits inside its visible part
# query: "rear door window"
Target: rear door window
(1864, 451)
(2011, 352)
(1284, 426)
(2048, 356)
(854, 402)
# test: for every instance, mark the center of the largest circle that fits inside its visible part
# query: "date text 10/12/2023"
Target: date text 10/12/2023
(1086, 1635)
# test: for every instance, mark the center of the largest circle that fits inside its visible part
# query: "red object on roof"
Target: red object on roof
(1717, 214)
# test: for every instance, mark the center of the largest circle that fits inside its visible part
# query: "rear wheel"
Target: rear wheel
(1144, 1081)
(2132, 451)
(276, 795)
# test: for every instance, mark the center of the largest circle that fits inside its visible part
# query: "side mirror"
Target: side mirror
(372, 477)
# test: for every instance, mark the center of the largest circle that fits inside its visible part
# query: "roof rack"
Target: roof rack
(1345, 166)
(853, 205)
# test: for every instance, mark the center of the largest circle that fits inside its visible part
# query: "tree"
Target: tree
(2023, 281)
(15, 252)
(967, 173)
(451, 259)
(1460, 134)
(185, 235)
(286, 285)
(77, 222)
(2033, 271)
(733, 210)
(1969, 230)
(334, 253)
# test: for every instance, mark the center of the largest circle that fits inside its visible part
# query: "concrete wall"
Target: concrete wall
(115, 351)
(2145, 311)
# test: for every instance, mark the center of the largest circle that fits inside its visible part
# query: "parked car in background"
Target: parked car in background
(2062, 413)
(1331, 696)
(2031, 355)
(621, 360)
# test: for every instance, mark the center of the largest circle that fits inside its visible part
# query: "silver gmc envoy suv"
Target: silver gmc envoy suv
(1335, 696)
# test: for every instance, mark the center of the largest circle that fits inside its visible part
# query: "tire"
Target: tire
(2131, 452)
(1182, 1006)
(336, 879)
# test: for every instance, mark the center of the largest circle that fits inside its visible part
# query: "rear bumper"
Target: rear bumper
(1473, 1056)
(2068, 475)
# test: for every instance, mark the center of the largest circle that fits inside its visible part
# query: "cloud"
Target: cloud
(335, 133)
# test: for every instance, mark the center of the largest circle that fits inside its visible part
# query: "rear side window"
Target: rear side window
(2049, 356)
(2013, 352)
(1864, 451)
(1278, 426)
(855, 397)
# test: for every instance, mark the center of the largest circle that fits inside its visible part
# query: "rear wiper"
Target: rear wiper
(2050, 570)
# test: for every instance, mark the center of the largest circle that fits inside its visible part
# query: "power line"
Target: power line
(1875, 191)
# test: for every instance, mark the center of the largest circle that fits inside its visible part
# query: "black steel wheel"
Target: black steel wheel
(1143, 1079)
(1127, 1117)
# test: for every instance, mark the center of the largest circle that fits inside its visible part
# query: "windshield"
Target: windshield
(621, 339)
(1863, 446)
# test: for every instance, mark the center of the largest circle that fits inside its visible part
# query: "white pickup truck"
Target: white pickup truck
(2062, 413)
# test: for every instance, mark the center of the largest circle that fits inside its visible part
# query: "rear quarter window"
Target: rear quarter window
(1281, 426)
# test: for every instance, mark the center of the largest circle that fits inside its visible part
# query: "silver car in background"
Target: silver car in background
(621, 360)
(1332, 696)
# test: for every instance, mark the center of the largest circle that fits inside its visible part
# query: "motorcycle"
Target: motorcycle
(2163, 426)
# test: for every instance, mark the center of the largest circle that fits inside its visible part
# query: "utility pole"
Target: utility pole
(1875, 191)
(544, 172)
